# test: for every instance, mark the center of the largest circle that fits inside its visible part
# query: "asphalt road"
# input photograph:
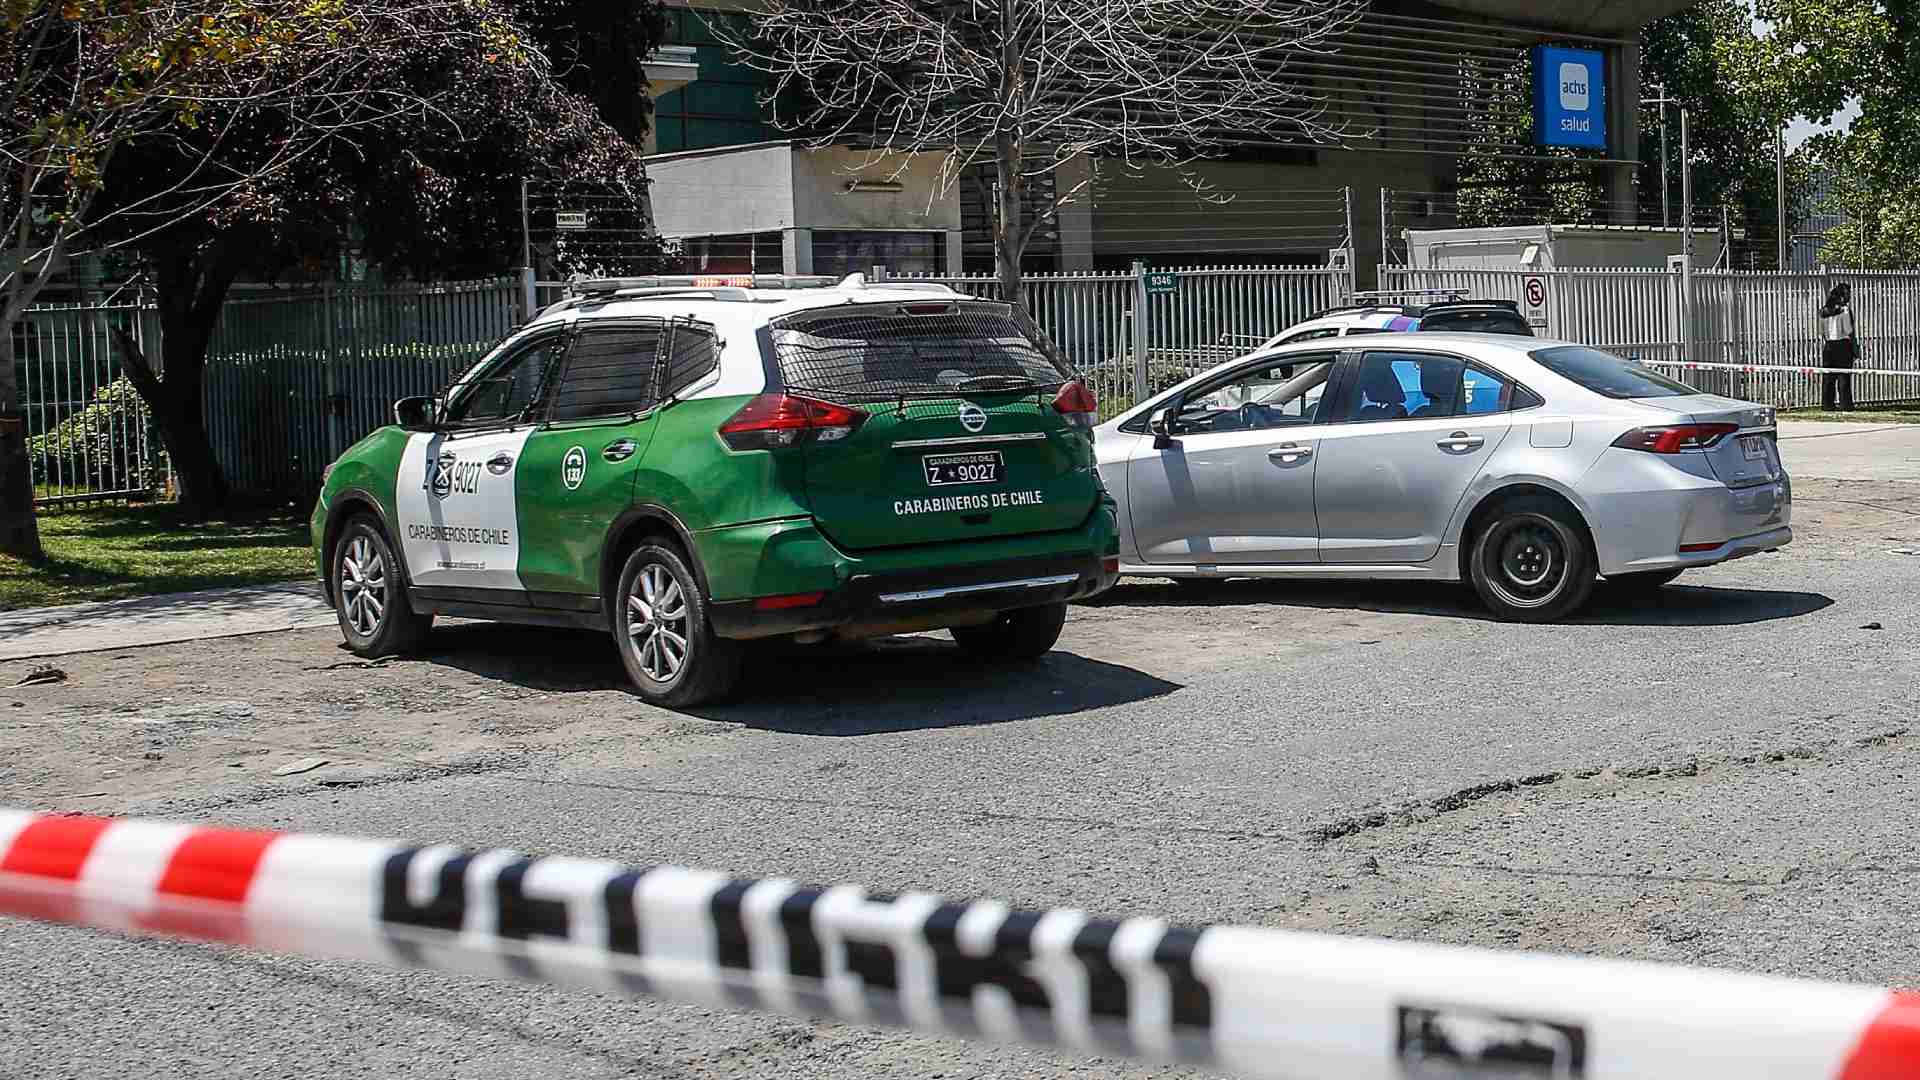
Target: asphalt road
(1721, 776)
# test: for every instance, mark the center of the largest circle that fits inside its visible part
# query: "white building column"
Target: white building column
(796, 251)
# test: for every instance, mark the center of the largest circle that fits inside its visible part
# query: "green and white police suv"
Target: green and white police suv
(694, 463)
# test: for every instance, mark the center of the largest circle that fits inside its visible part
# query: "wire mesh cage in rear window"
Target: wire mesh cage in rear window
(912, 349)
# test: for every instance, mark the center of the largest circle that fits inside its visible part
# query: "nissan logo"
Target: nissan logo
(973, 418)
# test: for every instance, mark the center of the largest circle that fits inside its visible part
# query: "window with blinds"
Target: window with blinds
(609, 372)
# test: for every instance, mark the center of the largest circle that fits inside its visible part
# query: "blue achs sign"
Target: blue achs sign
(1569, 97)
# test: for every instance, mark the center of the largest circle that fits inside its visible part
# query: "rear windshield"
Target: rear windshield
(1607, 374)
(913, 349)
(1478, 322)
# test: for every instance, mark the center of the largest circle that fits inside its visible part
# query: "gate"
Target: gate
(89, 438)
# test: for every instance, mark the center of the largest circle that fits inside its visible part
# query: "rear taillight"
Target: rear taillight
(771, 421)
(1676, 439)
(1077, 404)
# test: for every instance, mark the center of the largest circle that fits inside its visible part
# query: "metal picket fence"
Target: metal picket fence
(89, 438)
(292, 380)
(1133, 332)
(1734, 317)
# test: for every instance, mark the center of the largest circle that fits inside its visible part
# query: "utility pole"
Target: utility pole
(1666, 197)
(1780, 193)
(1686, 240)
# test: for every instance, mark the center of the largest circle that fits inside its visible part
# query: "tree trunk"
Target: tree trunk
(19, 529)
(202, 482)
(1008, 233)
(191, 278)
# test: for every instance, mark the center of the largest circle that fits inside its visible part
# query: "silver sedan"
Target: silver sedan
(1522, 465)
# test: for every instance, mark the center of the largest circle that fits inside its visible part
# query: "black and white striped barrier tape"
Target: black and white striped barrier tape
(1256, 1003)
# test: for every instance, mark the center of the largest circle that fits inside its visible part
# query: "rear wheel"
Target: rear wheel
(1532, 562)
(1646, 580)
(369, 599)
(1022, 634)
(666, 641)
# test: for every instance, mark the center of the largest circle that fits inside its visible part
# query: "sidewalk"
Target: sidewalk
(1833, 451)
(156, 620)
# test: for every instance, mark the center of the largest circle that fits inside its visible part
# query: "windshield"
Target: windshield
(1607, 374)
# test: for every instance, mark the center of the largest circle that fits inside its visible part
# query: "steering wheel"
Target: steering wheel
(1253, 415)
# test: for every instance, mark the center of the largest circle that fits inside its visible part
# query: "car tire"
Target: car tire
(370, 597)
(1646, 580)
(1021, 634)
(1532, 562)
(666, 641)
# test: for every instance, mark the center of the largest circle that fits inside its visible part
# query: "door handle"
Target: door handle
(619, 450)
(1289, 454)
(1460, 442)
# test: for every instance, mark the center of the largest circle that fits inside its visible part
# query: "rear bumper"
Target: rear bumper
(872, 604)
(1657, 507)
(897, 589)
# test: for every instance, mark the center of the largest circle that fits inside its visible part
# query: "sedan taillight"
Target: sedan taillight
(1675, 438)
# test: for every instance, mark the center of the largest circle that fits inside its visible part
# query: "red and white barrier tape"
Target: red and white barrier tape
(1258, 1003)
(1689, 364)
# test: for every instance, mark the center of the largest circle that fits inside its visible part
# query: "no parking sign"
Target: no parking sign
(1536, 290)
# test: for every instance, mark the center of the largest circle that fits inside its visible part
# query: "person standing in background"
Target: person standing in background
(1839, 349)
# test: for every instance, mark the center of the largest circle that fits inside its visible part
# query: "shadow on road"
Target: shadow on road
(1612, 605)
(892, 684)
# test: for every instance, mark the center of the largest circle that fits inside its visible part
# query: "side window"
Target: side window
(1402, 386)
(1314, 335)
(511, 390)
(1273, 394)
(692, 353)
(1482, 392)
(609, 372)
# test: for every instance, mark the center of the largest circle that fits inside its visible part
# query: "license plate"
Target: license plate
(944, 469)
(1754, 447)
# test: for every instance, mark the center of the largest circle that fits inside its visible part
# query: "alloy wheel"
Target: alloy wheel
(657, 623)
(363, 586)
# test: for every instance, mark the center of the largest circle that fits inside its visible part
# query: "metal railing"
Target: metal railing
(1665, 319)
(293, 380)
(1134, 332)
(89, 438)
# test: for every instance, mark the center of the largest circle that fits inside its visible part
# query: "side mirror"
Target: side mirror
(1162, 425)
(416, 413)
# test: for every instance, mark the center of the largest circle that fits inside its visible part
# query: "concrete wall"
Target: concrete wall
(1152, 214)
(738, 190)
(1559, 247)
(821, 199)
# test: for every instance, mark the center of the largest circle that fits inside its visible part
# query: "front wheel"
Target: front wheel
(1022, 634)
(369, 599)
(666, 641)
(1532, 563)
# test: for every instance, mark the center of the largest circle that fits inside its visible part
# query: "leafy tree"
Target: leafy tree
(1024, 86)
(1816, 57)
(210, 101)
(219, 137)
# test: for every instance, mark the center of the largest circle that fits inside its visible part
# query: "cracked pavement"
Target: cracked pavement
(1723, 775)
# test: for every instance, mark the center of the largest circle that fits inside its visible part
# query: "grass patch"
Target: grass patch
(107, 553)
(1905, 412)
